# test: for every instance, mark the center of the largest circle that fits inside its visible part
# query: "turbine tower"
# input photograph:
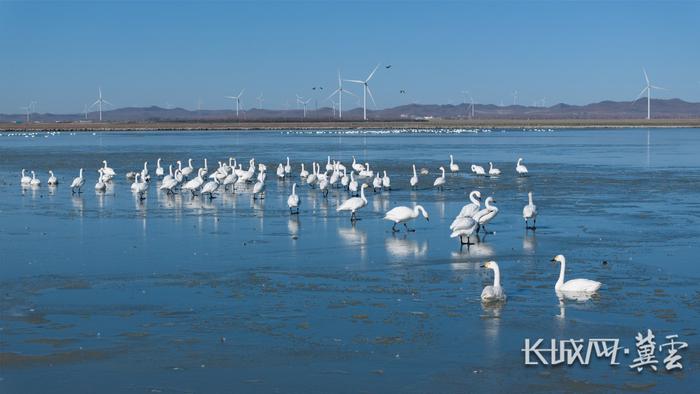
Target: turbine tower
(260, 100)
(100, 101)
(647, 89)
(515, 97)
(301, 101)
(365, 91)
(340, 92)
(237, 99)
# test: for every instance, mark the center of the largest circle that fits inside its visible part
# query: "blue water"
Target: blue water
(175, 294)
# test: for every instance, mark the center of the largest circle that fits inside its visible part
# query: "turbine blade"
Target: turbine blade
(646, 76)
(354, 80)
(372, 97)
(95, 103)
(372, 73)
(337, 91)
(108, 103)
(349, 92)
(641, 93)
(657, 87)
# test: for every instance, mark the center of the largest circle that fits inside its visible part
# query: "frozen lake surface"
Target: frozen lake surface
(180, 294)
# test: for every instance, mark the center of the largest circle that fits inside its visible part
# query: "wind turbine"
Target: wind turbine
(471, 105)
(365, 91)
(301, 101)
(647, 89)
(237, 99)
(100, 101)
(340, 92)
(515, 97)
(260, 100)
(85, 111)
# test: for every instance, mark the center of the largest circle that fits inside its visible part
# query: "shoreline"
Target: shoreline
(349, 125)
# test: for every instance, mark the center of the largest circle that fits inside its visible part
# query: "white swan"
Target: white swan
(205, 168)
(520, 167)
(170, 182)
(303, 173)
(107, 171)
(463, 227)
(78, 183)
(377, 182)
(210, 187)
(473, 207)
(440, 181)
(530, 212)
(34, 181)
(194, 184)
(478, 170)
(367, 172)
(323, 185)
(335, 177)
(494, 292)
(169, 176)
(493, 171)
(179, 177)
(573, 285)
(259, 188)
(53, 181)
(353, 185)
(414, 178)
(25, 179)
(288, 168)
(453, 167)
(140, 187)
(484, 216)
(159, 170)
(293, 201)
(100, 186)
(386, 182)
(358, 167)
(353, 204)
(144, 173)
(280, 171)
(329, 166)
(313, 177)
(403, 214)
(345, 179)
(230, 180)
(187, 171)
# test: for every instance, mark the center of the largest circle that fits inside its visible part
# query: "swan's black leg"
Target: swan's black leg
(394, 229)
(409, 229)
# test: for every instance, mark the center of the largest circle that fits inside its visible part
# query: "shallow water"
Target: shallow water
(181, 294)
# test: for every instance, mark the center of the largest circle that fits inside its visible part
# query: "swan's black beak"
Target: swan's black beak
(553, 261)
(482, 266)
(427, 219)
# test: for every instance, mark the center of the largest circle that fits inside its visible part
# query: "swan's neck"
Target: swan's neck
(496, 277)
(560, 281)
(490, 166)
(417, 210)
(472, 197)
(529, 198)
(414, 170)
(443, 172)
(451, 160)
(294, 189)
(362, 195)
(288, 161)
(81, 172)
(487, 204)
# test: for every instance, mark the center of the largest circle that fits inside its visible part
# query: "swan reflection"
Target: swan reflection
(530, 242)
(403, 247)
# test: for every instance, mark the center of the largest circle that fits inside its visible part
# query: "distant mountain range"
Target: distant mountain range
(661, 109)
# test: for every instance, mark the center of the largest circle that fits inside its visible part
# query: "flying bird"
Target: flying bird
(387, 66)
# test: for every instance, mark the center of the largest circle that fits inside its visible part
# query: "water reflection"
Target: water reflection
(530, 242)
(354, 237)
(400, 247)
(293, 225)
(492, 318)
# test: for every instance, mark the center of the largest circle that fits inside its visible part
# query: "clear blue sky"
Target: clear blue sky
(58, 53)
